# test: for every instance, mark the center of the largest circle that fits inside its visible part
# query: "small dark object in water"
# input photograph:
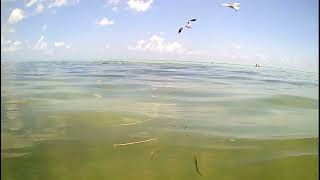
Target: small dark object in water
(185, 127)
(196, 163)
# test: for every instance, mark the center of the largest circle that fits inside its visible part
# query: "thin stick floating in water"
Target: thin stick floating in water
(136, 142)
(127, 124)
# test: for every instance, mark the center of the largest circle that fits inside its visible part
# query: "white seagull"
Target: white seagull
(188, 26)
(235, 6)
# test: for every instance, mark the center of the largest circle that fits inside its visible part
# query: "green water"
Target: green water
(61, 120)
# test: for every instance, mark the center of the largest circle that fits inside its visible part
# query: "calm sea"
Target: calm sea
(157, 120)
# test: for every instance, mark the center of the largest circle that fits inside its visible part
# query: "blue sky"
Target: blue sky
(281, 33)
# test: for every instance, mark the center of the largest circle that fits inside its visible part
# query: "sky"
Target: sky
(276, 33)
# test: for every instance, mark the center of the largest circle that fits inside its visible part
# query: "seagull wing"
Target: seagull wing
(225, 5)
(193, 20)
(180, 30)
(236, 6)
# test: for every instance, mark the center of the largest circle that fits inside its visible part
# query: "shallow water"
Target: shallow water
(61, 120)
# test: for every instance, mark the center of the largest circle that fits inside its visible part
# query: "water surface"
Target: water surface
(61, 120)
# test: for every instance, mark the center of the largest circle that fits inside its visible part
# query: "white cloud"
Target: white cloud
(31, 3)
(159, 44)
(140, 43)
(139, 5)
(39, 8)
(16, 16)
(104, 22)
(44, 27)
(59, 44)
(107, 46)
(114, 2)
(59, 3)
(41, 44)
(10, 46)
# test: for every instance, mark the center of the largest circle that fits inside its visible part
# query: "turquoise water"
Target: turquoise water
(61, 120)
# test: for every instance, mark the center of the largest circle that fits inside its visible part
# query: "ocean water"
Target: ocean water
(157, 120)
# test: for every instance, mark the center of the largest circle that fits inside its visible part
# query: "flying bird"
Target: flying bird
(188, 26)
(235, 6)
